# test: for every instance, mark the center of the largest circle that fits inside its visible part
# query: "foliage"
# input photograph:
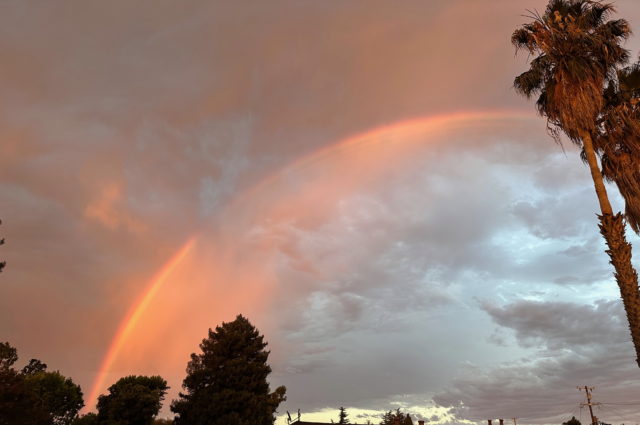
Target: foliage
(60, 397)
(576, 48)
(227, 383)
(618, 140)
(34, 366)
(18, 403)
(132, 400)
(572, 421)
(33, 395)
(88, 419)
(8, 356)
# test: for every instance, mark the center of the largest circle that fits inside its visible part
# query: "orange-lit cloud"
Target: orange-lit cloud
(107, 209)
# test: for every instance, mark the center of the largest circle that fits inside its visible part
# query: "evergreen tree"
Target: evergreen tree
(227, 383)
(342, 418)
(394, 418)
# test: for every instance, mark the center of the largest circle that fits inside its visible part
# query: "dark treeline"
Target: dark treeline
(226, 384)
(33, 395)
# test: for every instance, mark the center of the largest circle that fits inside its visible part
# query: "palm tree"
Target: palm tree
(577, 49)
(619, 139)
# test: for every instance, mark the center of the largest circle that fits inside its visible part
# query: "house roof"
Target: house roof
(313, 423)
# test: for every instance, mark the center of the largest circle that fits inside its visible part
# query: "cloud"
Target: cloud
(562, 325)
(574, 344)
(389, 267)
(126, 129)
(106, 211)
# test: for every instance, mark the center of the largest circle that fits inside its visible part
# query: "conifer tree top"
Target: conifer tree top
(226, 382)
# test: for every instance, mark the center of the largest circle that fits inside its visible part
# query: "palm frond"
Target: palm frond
(578, 51)
(596, 13)
(531, 81)
(629, 78)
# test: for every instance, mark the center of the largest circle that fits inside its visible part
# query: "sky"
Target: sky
(359, 179)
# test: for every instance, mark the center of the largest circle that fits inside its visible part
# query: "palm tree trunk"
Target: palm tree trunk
(596, 175)
(612, 228)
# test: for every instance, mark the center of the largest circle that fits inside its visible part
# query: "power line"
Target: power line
(568, 416)
(630, 403)
(618, 414)
(576, 412)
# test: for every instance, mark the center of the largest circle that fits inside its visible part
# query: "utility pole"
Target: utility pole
(587, 390)
(515, 421)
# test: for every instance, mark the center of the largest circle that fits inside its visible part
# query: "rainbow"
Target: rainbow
(135, 313)
(381, 134)
(384, 134)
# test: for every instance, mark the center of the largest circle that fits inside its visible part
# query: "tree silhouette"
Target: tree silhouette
(132, 400)
(88, 419)
(396, 418)
(34, 366)
(18, 403)
(60, 397)
(226, 383)
(342, 416)
(572, 421)
(34, 396)
(8, 356)
(577, 48)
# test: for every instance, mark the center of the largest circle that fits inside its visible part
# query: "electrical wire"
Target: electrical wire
(618, 414)
(630, 403)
